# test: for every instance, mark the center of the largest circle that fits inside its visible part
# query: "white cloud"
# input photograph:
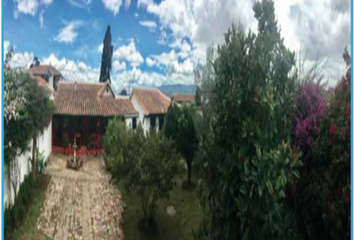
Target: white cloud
(84, 4)
(27, 6)
(136, 15)
(112, 5)
(118, 66)
(41, 19)
(129, 53)
(21, 60)
(148, 24)
(321, 27)
(7, 46)
(150, 62)
(68, 34)
(127, 3)
(100, 48)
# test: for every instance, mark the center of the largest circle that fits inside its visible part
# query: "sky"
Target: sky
(161, 42)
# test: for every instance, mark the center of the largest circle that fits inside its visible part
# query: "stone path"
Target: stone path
(80, 205)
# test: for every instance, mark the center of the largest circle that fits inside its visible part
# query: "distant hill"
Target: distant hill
(177, 88)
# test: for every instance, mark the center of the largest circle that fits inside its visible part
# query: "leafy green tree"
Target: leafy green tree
(153, 174)
(179, 127)
(148, 164)
(106, 62)
(246, 156)
(40, 109)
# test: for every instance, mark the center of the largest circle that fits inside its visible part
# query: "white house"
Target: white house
(152, 106)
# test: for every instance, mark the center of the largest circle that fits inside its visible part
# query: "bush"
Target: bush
(14, 214)
(323, 202)
(309, 108)
(148, 164)
(152, 175)
(180, 128)
(246, 156)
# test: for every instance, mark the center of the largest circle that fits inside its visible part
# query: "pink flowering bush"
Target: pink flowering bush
(321, 130)
(310, 104)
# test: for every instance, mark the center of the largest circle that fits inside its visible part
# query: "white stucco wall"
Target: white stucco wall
(144, 121)
(44, 144)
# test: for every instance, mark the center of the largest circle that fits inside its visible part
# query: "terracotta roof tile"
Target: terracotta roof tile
(41, 82)
(43, 69)
(183, 97)
(153, 101)
(86, 99)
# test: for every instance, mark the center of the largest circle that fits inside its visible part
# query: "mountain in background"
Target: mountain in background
(177, 88)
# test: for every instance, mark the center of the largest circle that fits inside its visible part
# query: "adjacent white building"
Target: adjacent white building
(152, 106)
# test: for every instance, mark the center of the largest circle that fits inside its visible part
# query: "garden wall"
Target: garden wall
(44, 144)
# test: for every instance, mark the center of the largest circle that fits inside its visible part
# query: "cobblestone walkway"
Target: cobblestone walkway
(80, 205)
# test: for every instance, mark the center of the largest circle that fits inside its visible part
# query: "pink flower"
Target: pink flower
(346, 197)
(347, 112)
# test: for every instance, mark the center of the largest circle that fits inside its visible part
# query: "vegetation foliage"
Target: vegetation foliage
(179, 127)
(246, 154)
(148, 163)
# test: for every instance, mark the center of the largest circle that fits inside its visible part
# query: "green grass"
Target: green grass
(188, 215)
(28, 229)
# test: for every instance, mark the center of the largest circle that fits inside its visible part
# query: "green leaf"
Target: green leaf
(270, 187)
(243, 190)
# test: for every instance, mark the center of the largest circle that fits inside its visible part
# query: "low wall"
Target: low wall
(44, 144)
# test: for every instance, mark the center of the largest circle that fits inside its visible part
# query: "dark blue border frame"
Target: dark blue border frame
(2, 122)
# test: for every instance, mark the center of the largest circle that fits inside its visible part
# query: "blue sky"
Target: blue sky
(161, 42)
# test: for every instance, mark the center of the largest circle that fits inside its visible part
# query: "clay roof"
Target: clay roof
(183, 97)
(87, 99)
(153, 101)
(43, 69)
(41, 82)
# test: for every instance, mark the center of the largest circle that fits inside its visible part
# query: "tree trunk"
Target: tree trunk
(34, 149)
(189, 166)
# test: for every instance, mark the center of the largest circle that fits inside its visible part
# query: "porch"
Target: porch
(86, 131)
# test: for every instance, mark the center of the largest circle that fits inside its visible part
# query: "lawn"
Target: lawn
(188, 215)
(28, 229)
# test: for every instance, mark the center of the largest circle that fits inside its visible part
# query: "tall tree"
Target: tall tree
(246, 157)
(35, 62)
(106, 62)
(180, 128)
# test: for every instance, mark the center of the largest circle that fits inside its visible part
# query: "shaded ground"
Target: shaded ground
(80, 205)
(27, 230)
(179, 227)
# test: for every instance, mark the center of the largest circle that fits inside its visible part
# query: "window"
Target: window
(153, 121)
(161, 119)
(134, 122)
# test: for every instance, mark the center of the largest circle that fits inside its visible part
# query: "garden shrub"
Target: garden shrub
(14, 214)
(180, 128)
(248, 160)
(324, 200)
(309, 108)
(147, 164)
(153, 174)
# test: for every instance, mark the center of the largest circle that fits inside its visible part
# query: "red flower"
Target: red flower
(346, 197)
(332, 132)
(347, 112)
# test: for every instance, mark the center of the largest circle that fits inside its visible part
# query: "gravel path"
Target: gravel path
(80, 204)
